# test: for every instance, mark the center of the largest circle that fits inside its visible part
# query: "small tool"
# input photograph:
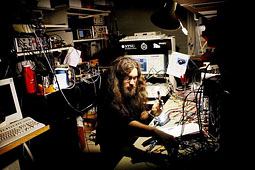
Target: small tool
(160, 102)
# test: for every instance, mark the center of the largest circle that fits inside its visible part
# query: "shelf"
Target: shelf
(45, 51)
(89, 10)
(83, 16)
(55, 26)
(84, 40)
(83, 13)
(44, 9)
(24, 139)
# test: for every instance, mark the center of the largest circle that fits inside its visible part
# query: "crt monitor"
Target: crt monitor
(9, 104)
(151, 63)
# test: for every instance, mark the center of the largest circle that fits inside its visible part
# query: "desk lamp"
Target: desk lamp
(165, 18)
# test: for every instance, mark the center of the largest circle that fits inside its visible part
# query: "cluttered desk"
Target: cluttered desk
(181, 118)
(189, 113)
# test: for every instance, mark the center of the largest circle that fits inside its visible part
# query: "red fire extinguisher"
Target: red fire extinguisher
(30, 79)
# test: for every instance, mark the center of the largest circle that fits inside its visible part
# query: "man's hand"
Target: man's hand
(167, 140)
(157, 108)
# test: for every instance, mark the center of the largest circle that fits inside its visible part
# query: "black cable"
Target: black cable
(198, 109)
(198, 102)
(183, 113)
(198, 105)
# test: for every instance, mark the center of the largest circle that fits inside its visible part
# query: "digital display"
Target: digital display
(81, 34)
(151, 63)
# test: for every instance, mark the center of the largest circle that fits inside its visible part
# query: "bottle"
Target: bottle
(30, 79)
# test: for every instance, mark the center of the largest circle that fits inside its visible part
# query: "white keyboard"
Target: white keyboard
(17, 130)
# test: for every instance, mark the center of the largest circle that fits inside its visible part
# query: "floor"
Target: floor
(94, 157)
(89, 142)
(91, 152)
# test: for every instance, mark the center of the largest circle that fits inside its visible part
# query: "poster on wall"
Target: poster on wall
(99, 31)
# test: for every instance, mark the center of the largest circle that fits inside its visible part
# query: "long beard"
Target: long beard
(129, 92)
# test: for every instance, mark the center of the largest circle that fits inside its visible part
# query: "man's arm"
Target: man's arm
(144, 130)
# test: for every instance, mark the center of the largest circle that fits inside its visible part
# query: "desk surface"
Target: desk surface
(174, 106)
(24, 139)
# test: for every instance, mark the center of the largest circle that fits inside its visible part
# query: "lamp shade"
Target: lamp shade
(165, 17)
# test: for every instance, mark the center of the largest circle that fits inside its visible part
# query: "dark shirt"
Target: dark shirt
(113, 130)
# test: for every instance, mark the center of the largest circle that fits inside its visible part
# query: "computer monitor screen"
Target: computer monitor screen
(84, 34)
(81, 33)
(9, 105)
(151, 63)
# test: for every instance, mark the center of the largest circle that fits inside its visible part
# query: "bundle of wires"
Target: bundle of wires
(198, 95)
(44, 52)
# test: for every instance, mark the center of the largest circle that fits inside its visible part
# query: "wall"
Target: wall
(134, 17)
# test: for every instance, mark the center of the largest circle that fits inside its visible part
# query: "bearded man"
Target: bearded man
(122, 112)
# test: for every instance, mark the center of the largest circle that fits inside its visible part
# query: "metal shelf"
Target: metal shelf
(39, 51)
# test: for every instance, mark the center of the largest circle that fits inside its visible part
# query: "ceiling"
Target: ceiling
(207, 8)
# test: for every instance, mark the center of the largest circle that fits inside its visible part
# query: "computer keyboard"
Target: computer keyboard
(17, 130)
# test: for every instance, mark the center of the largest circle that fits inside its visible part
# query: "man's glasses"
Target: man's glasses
(129, 78)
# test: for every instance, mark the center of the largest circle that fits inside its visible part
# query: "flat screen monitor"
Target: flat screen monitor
(151, 63)
(9, 104)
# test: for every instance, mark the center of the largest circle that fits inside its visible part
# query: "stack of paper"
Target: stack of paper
(179, 130)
